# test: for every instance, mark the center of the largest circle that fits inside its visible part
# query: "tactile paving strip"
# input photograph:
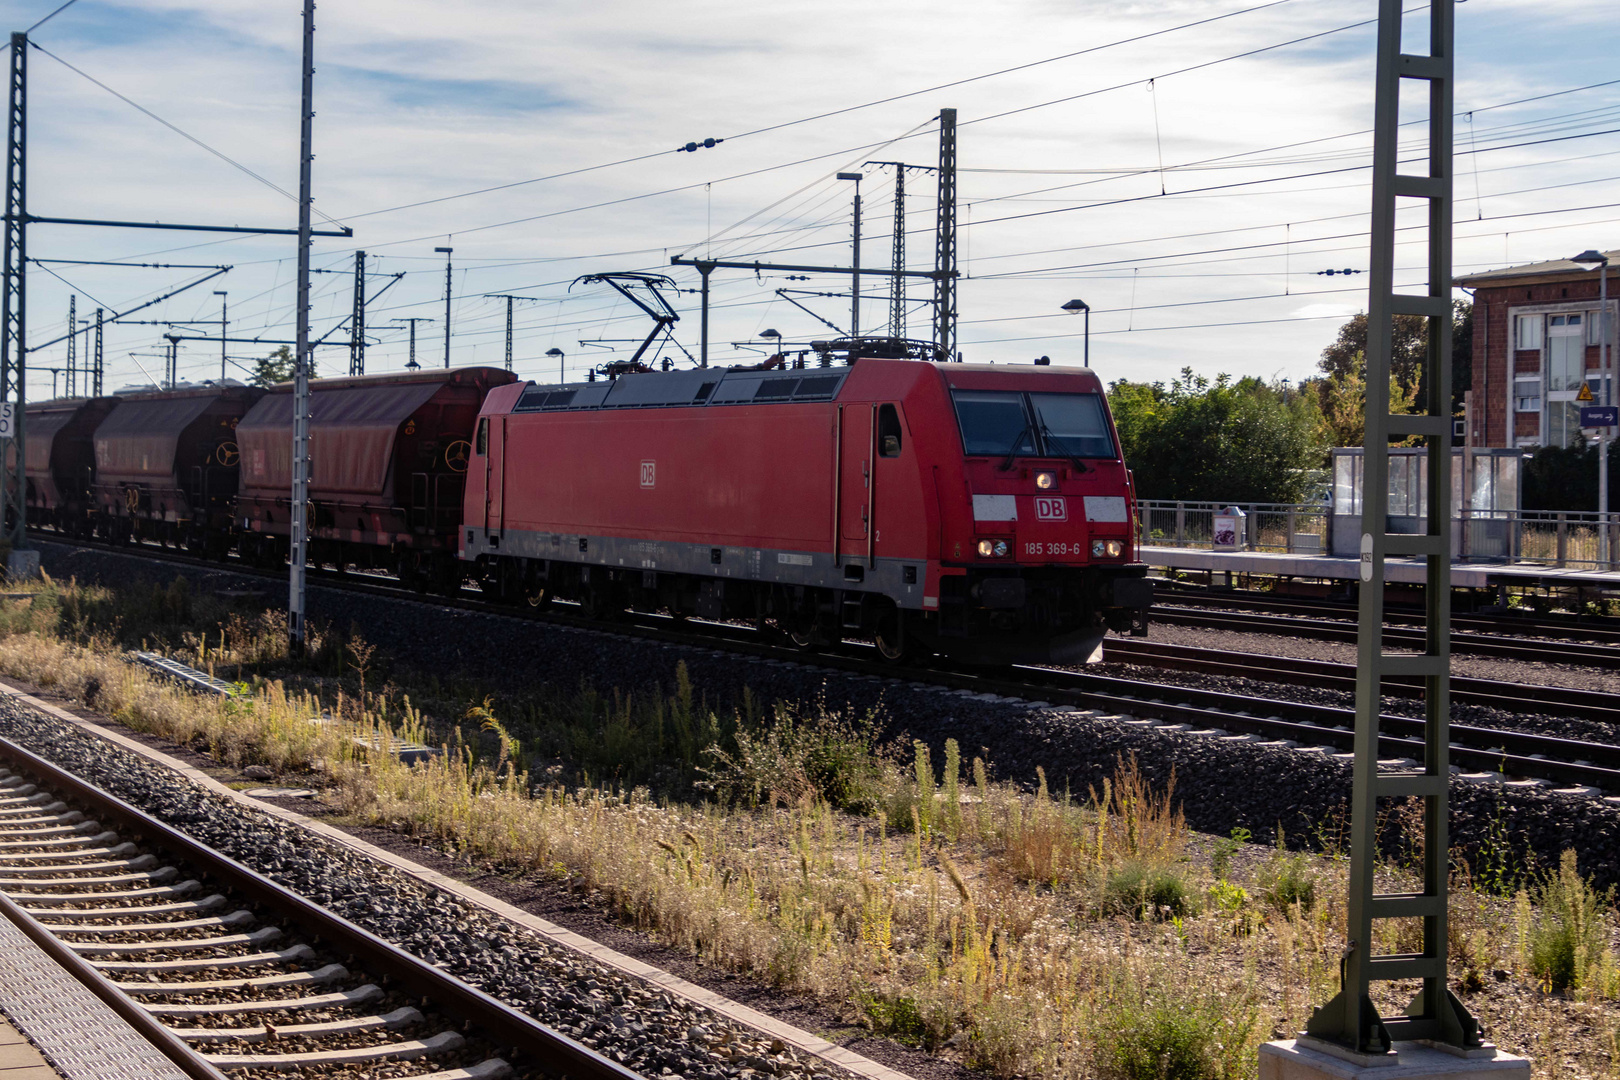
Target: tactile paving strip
(75, 1031)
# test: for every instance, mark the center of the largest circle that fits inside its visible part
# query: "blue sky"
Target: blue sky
(418, 101)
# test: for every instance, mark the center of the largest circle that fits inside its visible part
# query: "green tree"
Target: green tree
(1243, 441)
(276, 368)
(1341, 399)
(1409, 347)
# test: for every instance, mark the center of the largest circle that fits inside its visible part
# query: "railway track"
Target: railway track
(1326, 674)
(1484, 750)
(1531, 650)
(1594, 629)
(253, 978)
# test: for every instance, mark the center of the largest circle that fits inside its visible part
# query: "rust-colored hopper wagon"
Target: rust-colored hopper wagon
(388, 464)
(61, 462)
(167, 463)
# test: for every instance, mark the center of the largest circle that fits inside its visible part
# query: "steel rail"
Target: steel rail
(1267, 717)
(1590, 628)
(547, 1047)
(146, 1025)
(1547, 652)
(1328, 674)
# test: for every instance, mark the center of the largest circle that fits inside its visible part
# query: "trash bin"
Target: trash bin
(1230, 532)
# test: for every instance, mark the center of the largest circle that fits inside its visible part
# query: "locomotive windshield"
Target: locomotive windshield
(997, 423)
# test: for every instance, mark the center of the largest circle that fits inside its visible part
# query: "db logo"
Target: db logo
(1051, 508)
(649, 474)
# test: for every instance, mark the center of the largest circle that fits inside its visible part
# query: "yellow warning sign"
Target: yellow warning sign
(1585, 394)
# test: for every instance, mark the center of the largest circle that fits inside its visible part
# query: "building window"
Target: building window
(1566, 352)
(1594, 328)
(1527, 395)
(1528, 332)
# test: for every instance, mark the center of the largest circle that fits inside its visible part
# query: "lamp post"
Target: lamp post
(855, 280)
(1080, 305)
(446, 251)
(558, 353)
(1595, 258)
(221, 294)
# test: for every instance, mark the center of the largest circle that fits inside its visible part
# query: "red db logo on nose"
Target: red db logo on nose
(1051, 508)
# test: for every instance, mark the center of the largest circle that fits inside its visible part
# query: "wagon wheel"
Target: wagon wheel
(227, 454)
(457, 455)
(132, 499)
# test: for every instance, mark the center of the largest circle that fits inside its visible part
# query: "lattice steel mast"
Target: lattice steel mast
(945, 240)
(13, 303)
(1350, 1019)
(357, 331)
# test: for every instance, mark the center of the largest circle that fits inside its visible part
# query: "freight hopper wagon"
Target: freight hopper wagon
(166, 466)
(388, 462)
(61, 462)
(978, 511)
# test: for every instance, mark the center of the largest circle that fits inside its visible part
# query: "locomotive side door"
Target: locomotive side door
(854, 479)
(492, 445)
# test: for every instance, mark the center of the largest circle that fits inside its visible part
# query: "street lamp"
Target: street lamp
(446, 252)
(1080, 305)
(855, 280)
(558, 353)
(1591, 258)
(221, 294)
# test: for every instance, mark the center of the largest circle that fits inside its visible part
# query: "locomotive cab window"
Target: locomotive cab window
(1073, 424)
(993, 422)
(481, 447)
(889, 437)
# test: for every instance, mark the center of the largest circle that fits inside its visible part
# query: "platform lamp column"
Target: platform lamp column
(1601, 261)
(558, 353)
(1080, 305)
(446, 253)
(855, 280)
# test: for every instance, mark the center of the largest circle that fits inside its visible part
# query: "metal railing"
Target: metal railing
(1291, 528)
(1556, 539)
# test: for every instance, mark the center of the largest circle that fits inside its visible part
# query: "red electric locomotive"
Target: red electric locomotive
(979, 511)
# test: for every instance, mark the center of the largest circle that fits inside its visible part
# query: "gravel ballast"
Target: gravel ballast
(1222, 783)
(646, 1029)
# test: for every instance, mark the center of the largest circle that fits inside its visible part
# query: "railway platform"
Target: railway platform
(1464, 574)
(54, 1027)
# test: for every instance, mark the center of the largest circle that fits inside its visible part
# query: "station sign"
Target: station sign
(1600, 416)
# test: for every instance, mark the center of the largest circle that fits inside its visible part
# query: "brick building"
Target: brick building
(1536, 339)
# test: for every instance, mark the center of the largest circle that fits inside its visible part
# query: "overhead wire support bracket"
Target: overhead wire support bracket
(35, 219)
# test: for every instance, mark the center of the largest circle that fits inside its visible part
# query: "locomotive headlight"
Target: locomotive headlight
(1111, 549)
(986, 549)
(993, 549)
(1046, 481)
(1001, 549)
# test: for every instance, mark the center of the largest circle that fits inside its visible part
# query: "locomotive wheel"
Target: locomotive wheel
(539, 598)
(890, 637)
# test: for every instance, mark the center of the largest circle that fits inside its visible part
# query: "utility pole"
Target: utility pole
(509, 300)
(446, 252)
(897, 283)
(13, 305)
(945, 240)
(357, 331)
(413, 365)
(171, 362)
(299, 546)
(98, 367)
(855, 278)
(223, 323)
(72, 346)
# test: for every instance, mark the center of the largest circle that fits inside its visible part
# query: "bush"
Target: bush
(1144, 891)
(823, 755)
(1287, 878)
(1570, 934)
(1175, 1037)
